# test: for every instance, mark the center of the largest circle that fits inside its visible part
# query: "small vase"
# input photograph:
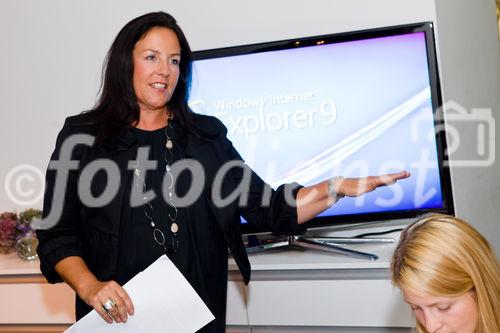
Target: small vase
(26, 247)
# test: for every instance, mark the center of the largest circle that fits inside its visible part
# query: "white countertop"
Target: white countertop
(11, 264)
(299, 259)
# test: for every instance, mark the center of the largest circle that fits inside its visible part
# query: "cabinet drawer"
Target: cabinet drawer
(236, 313)
(36, 303)
(43, 303)
(327, 303)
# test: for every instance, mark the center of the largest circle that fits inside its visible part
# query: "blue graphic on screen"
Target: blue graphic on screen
(353, 109)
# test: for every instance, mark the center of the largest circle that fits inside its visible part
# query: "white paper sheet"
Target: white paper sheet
(164, 301)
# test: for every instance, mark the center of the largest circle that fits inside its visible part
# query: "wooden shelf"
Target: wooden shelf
(33, 328)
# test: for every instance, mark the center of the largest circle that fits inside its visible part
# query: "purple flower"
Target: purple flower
(23, 230)
(14, 227)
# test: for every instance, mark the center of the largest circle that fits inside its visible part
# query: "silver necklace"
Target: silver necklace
(172, 214)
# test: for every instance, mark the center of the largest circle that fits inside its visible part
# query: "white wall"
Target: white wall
(52, 51)
(470, 70)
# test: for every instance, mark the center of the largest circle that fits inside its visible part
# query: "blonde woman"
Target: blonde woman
(449, 276)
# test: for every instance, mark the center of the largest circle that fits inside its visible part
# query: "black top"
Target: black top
(72, 228)
(201, 243)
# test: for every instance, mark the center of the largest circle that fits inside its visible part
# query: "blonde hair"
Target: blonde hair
(442, 255)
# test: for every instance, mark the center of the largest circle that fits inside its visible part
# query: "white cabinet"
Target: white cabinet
(307, 291)
(290, 291)
(236, 312)
(28, 304)
(355, 303)
(41, 303)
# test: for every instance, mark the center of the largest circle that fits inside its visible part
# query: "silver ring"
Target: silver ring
(110, 304)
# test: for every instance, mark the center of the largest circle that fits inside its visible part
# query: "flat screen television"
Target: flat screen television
(352, 104)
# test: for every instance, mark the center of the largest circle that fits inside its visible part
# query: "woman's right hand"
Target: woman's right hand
(97, 293)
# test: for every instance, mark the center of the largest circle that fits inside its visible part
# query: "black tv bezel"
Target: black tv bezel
(436, 100)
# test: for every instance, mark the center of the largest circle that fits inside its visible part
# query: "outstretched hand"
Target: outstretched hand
(312, 200)
(353, 187)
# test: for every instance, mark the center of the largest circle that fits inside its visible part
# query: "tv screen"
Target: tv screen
(352, 104)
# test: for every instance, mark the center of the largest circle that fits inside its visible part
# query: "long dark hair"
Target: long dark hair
(117, 107)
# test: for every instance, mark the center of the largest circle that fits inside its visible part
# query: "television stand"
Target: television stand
(328, 244)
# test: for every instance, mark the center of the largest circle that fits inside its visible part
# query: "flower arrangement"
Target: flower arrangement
(15, 226)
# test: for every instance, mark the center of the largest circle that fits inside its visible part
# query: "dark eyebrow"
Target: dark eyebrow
(156, 52)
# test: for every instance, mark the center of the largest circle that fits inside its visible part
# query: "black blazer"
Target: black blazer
(69, 237)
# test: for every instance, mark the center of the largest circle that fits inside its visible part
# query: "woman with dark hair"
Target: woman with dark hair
(143, 126)
(118, 107)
